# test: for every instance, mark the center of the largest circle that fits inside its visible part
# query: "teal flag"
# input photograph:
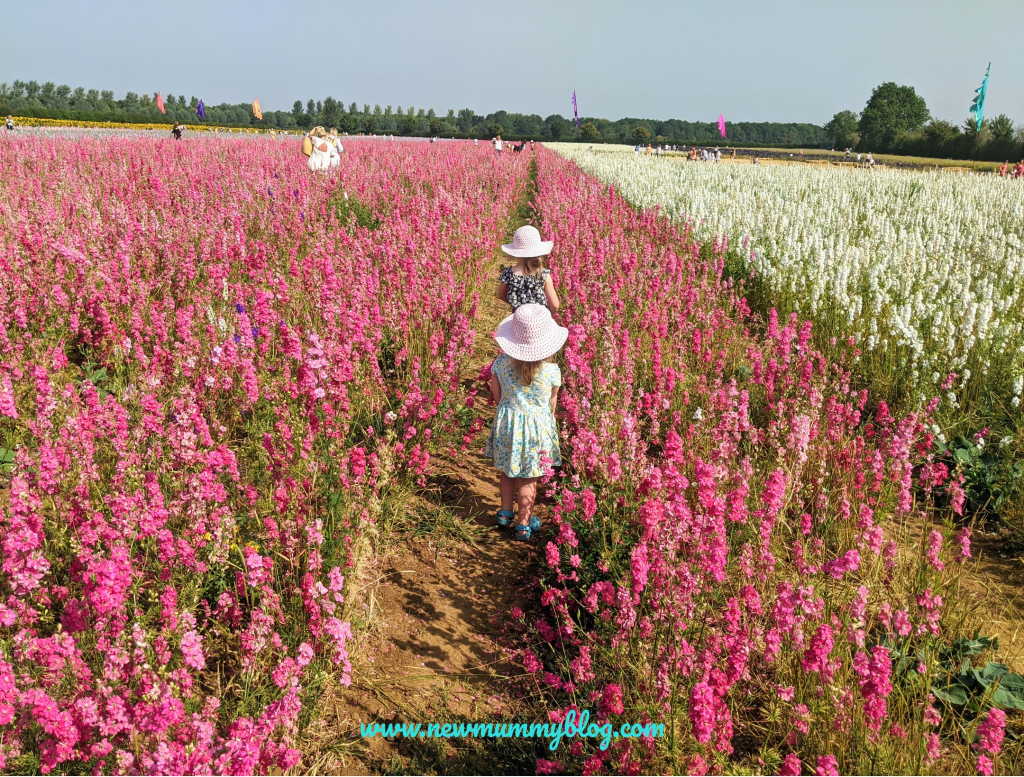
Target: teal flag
(978, 106)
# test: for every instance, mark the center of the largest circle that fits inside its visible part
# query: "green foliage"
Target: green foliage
(436, 126)
(331, 113)
(843, 129)
(588, 131)
(892, 111)
(989, 479)
(6, 459)
(641, 134)
(351, 211)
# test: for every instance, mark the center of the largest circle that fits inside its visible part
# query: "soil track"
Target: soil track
(437, 610)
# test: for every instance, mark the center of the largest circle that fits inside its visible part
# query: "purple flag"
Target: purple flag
(200, 111)
(575, 113)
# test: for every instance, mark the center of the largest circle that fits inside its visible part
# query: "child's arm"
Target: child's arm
(503, 292)
(549, 291)
(495, 388)
(554, 397)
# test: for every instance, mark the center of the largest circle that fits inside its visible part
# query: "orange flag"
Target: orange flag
(256, 110)
(160, 103)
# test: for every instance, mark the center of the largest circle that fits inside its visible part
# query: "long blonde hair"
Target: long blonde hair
(534, 265)
(527, 371)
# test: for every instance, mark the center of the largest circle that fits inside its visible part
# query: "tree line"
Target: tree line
(49, 100)
(896, 120)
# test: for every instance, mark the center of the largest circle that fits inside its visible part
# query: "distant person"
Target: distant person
(10, 123)
(336, 148)
(1018, 171)
(756, 160)
(858, 157)
(474, 142)
(320, 158)
(176, 131)
(733, 155)
(870, 162)
(1003, 167)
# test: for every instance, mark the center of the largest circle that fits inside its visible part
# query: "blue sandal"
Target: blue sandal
(534, 523)
(522, 532)
(505, 518)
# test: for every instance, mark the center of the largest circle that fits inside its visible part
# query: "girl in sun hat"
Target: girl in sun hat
(528, 280)
(525, 382)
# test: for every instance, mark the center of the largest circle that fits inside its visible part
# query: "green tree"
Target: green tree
(436, 126)
(843, 130)
(32, 90)
(297, 109)
(1001, 129)
(891, 112)
(409, 125)
(495, 129)
(353, 109)
(588, 131)
(556, 125)
(330, 114)
(465, 120)
(641, 134)
(311, 107)
(370, 123)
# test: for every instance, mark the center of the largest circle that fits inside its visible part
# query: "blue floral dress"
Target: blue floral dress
(524, 425)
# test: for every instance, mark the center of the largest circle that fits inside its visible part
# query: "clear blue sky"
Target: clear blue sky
(753, 60)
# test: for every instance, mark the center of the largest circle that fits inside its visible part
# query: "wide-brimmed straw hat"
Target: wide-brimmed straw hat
(530, 334)
(526, 243)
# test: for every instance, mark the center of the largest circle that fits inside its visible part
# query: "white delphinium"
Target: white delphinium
(929, 262)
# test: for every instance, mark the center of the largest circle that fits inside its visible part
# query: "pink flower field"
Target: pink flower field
(210, 375)
(217, 368)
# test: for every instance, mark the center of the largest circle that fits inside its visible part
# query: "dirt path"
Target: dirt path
(439, 604)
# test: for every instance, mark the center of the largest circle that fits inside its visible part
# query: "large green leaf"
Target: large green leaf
(1003, 698)
(956, 695)
(6, 459)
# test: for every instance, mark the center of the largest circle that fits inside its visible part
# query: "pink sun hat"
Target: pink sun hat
(530, 334)
(526, 243)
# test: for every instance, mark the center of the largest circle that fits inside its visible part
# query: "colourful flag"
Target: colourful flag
(256, 110)
(160, 103)
(979, 99)
(575, 113)
(721, 124)
(200, 110)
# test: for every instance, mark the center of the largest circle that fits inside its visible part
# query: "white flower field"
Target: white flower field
(925, 269)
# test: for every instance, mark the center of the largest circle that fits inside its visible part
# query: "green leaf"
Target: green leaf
(952, 694)
(1012, 682)
(993, 670)
(1003, 698)
(7, 459)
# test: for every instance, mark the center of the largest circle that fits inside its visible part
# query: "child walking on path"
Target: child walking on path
(524, 437)
(528, 281)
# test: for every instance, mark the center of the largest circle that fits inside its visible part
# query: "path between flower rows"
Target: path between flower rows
(435, 614)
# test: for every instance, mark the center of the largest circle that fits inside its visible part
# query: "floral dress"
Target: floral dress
(524, 426)
(523, 289)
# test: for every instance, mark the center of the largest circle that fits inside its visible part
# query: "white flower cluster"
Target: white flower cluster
(929, 262)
